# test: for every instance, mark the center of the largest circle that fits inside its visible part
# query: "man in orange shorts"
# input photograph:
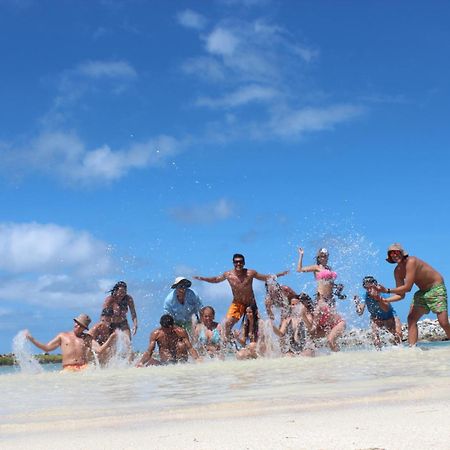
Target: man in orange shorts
(241, 283)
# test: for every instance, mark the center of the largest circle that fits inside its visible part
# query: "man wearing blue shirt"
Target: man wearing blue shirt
(182, 303)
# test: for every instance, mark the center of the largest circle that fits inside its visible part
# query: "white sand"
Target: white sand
(364, 423)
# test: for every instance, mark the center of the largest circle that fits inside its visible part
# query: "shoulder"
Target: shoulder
(192, 292)
(180, 331)
(251, 272)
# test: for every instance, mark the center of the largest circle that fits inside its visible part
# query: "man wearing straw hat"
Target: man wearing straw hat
(76, 345)
(431, 296)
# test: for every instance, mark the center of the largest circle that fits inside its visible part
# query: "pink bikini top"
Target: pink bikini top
(326, 275)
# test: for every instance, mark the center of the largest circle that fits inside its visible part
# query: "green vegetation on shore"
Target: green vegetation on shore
(10, 359)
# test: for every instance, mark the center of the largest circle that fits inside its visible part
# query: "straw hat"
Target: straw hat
(395, 247)
(179, 280)
(84, 320)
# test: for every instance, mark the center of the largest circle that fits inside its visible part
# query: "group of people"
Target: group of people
(187, 328)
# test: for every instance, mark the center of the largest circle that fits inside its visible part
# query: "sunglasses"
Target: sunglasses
(238, 261)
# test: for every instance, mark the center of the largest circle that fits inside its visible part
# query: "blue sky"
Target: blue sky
(146, 140)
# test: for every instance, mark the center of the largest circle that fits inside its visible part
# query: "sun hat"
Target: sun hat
(322, 251)
(179, 280)
(84, 320)
(395, 247)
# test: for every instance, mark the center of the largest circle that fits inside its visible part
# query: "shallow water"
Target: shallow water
(343, 378)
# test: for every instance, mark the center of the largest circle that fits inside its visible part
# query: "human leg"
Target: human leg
(443, 322)
(335, 332)
(413, 317)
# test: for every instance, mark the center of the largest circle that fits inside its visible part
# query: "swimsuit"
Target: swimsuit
(123, 326)
(434, 299)
(326, 275)
(74, 367)
(327, 320)
(375, 310)
(215, 338)
(236, 310)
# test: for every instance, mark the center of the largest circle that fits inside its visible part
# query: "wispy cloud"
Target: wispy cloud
(64, 155)
(242, 96)
(106, 69)
(191, 19)
(204, 214)
(261, 64)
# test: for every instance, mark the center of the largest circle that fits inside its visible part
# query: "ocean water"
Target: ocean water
(41, 401)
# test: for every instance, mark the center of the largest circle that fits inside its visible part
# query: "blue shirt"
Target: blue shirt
(182, 313)
(375, 310)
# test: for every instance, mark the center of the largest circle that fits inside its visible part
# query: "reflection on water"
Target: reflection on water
(262, 383)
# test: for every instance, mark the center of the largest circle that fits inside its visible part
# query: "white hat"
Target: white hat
(179, 280)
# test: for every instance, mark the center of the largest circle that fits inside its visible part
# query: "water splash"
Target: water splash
(22, 352)
(121, 355)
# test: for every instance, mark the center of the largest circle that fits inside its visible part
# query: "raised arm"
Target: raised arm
(49, 347)
(359, 306)
(300, 268)
(217, 279)
(282, 330)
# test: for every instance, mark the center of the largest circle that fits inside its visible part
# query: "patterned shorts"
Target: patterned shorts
(435, 299)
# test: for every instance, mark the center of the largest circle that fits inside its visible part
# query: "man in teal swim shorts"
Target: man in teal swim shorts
(431, 296)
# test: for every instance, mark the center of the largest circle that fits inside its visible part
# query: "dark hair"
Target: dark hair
(245, 321)
(306, 300)
(166, 321)
(369, 280)
(205, 308)
(238, 255)
(118, 285)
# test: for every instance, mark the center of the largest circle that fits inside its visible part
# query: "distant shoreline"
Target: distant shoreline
(10, 359)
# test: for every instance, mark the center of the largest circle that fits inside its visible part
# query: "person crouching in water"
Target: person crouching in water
(208, 333)
(322, 320)
(382, 314)
(251, 336)
(173, 344)
(292, 331)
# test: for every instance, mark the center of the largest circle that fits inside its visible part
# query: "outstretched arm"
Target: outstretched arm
(300, 268)
(403, 285)
(262, 277)
(217, 279)
(49, 347)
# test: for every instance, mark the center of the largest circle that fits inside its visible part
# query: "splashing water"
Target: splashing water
(121, 356)
(24, 357)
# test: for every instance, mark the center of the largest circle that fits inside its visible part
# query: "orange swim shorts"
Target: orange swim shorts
(236, 311)
(74, 367)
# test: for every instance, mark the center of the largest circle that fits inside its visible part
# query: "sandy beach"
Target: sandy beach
(395, 399)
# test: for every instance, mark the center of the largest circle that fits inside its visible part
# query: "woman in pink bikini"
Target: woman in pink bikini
(322, 319)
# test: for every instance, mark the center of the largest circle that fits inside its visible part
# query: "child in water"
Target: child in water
(382, 314)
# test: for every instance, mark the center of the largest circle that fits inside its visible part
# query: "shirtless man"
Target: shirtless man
(241, 283)
(432, 294)
(76, 346)
(173, 344)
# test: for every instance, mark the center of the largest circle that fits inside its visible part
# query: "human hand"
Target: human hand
(380, 288)
(300, 251)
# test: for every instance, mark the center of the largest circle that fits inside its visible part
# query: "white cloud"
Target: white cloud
(106, 69)
(34, 247)
(191, 19)
(205, 68)
(204, 214)
(242, 96)
(297, 122)
(222, 42)
(64, 155)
